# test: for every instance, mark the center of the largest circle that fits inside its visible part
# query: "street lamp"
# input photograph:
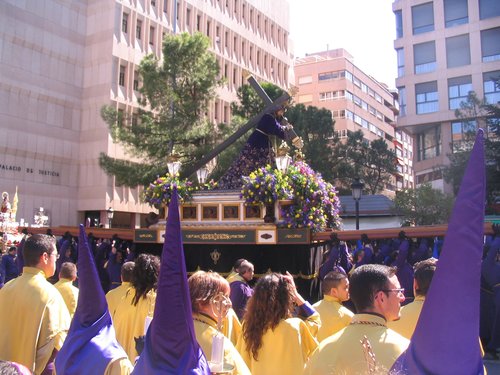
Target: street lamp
(283, 160)
(173, 163)
(202, 174)
(357, 191)
(110, 212)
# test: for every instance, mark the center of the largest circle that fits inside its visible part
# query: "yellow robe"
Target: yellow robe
(34, 320)
(205, 329)
(114, 296)
(231, 327)
(69, 294)
(405, 326)
(333, 316)
(284, 350)
(129, 320)
(342, 353)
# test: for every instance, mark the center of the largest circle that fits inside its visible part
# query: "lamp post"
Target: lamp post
(110, 212)
(357, 191)
(202, 174)
(173, 163)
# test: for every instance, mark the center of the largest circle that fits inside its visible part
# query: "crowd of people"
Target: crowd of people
(148, 317)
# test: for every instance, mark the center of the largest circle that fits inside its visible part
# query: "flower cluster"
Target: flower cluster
(315, 201)
(265, 186)
(159, 192)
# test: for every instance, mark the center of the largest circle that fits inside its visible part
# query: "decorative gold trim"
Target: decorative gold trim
(184, 218)
(211, 217)
(233, 217)
(252, 207)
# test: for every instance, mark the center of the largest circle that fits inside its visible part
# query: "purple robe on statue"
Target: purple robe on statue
(256, 153)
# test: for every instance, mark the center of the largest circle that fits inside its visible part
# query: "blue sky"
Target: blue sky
(365, 28)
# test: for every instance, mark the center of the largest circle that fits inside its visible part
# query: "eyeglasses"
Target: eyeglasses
(396, 290)
(55, 254)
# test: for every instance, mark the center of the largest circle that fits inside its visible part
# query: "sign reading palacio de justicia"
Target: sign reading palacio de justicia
(28, 170)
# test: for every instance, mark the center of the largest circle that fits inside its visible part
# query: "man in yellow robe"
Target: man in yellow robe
(114, 296)
(424, 271)
(334, 316)
(41, 316)
(377, 295)
(67, 275)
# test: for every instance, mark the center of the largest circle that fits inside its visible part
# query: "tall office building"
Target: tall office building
(331, 80)
(62, 60)
(445, 49)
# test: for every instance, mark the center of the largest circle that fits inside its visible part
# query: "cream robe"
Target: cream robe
(114, 296)
(69, 294)
(333, 316)
(231, 327)
(343, 353)
(35, 320)
(129, 320)
(285, 350)
(405, 326)
(205, 329)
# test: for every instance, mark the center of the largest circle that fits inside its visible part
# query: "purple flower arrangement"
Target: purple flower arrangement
(159, 192)
(315, 202)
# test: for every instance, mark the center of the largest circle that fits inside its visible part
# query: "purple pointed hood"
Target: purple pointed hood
(91, 342)
(171, 346)
(446, 339)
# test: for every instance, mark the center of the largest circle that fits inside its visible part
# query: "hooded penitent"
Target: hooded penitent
(171, 346)
(446, 339)
(91, 342)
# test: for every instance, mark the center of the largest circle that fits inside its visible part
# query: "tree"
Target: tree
(175, 98)
(316, 127)
(372, 161)
(423, 205)
(475, 113)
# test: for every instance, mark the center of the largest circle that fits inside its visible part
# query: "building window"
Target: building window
(328, 76)
(491, 86)
(490, 44)
(401, 61)
(462, 132)
(151, 35)
(188, 17)
(455, 12)
(424, 57)
(402, 101)
(458, 89)
(399, 23)
(125, 22)
(121, 77)
(457, 51)
(153, 3)
(165, 6)
(422, 17)
(426, 97)
(136, 80)
(198, 23)
(138, 30)
(429, 143)
(489, 8)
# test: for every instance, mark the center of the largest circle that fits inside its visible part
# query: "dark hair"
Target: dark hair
(332, 280)
(35, 246)
(237, 264)
(12, 248)
(367, 280)
(203, 286)
(424, 272)
(145, 275)
(127, 271)
(270, 303)
(68, 271)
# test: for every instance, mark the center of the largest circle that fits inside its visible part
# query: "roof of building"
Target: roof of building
(369, 205)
